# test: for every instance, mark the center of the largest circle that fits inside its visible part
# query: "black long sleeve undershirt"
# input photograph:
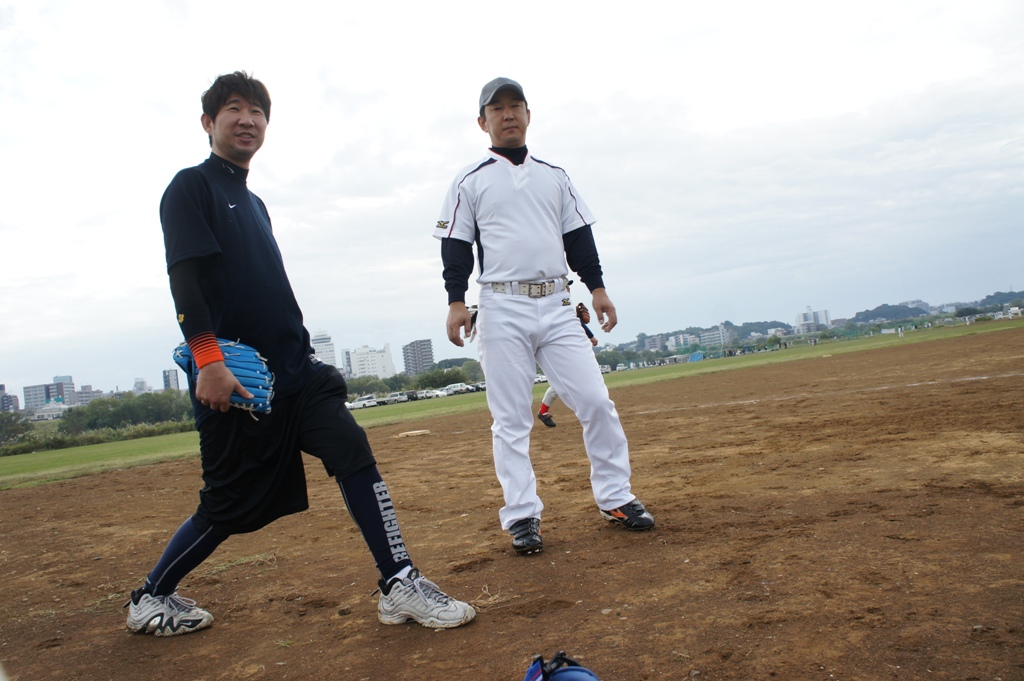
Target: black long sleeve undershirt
(457, 257)
(581, 255)
(194, 316)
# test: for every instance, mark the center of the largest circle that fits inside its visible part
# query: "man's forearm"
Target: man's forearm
(457, 258)
(581, 255)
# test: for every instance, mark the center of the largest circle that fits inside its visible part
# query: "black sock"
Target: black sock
(370, 504)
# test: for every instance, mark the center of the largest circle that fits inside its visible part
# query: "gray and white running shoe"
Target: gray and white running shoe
(165, 615)
(417, 598)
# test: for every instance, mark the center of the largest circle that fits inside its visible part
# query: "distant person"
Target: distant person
(228, 281)
(551, 395)
(527, 220)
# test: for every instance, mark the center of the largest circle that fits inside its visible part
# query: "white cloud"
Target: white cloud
(744, 159)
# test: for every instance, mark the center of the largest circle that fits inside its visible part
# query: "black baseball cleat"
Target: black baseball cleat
(547, 420)
(632, 516)
(526, 536)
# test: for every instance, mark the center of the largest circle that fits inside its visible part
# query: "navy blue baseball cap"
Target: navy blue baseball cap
(491, 89)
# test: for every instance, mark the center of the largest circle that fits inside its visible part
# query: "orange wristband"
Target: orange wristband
(205, 349)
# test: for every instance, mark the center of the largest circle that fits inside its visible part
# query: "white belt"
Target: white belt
(536, 289)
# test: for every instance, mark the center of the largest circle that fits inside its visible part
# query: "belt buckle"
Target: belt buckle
(536, 290)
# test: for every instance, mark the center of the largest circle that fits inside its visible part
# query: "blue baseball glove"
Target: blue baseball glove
(248, 366)
(559, 668)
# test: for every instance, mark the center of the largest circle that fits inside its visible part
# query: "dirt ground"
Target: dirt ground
(852, 517)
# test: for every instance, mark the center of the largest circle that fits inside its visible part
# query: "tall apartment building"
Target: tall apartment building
(719, 335)
(7, 402)
(418, 357)
(61, 391)
(141, 386)
(367, 361)
(345, 363)
(171, 379)
(324, 348)
(812, 321)
(654, 343)
(70, 398)
(679, 341)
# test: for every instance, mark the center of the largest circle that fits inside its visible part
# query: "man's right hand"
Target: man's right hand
(215, 386)
(459, 317)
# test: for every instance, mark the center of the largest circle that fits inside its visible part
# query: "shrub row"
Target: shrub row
(37, 443)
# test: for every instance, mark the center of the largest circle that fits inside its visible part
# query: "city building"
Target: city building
(345, 363)
(812, 321)
(323, 347)
(171, 379)
(919, 304)
(8, 402)
(367, 361)
(141, 386)
(69, 390)
(654, 343)
(59, 392)
(678, 341)
(87, 395)
(418, 357)
(49, 412)
(718, 335)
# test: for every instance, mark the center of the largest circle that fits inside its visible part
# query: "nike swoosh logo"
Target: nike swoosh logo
(232, 205)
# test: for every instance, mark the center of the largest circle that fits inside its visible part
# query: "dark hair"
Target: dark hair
(239, 83)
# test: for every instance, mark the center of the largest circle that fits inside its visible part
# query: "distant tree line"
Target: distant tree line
(130, 410)
(102, 420)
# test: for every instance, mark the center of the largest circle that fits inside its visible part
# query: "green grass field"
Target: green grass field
(42, 467)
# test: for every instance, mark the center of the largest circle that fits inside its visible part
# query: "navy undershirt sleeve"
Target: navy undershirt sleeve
(189, 302)
(457, 258)
(581, 254)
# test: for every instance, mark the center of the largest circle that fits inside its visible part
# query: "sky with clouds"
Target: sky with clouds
(745, 160)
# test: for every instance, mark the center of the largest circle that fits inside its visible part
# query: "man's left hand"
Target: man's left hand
(605, 310)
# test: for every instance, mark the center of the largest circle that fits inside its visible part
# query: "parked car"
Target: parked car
(481, 386)
(540, 378)
(620, 367)
(606, 369)
(440, 393)
(393, 398)
(363, 402)
(457, 388)
(412, 395)
(424, 394)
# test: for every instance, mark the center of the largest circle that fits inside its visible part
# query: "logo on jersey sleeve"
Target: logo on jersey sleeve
(442, 224)
(181, 319)
(566, 302)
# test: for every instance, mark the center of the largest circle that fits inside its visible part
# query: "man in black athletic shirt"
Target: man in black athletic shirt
(228, 281)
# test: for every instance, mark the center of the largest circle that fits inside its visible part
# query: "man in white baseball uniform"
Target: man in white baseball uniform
(527, 220)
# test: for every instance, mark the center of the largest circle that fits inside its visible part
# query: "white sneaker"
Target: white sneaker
(165, 615)
(417, 598)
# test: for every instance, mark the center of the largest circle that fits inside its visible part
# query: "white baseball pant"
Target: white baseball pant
(516, 333)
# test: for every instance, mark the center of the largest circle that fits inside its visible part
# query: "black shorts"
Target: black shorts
(252, 468)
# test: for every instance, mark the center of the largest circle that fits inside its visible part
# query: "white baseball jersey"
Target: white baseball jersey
(516, 214)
